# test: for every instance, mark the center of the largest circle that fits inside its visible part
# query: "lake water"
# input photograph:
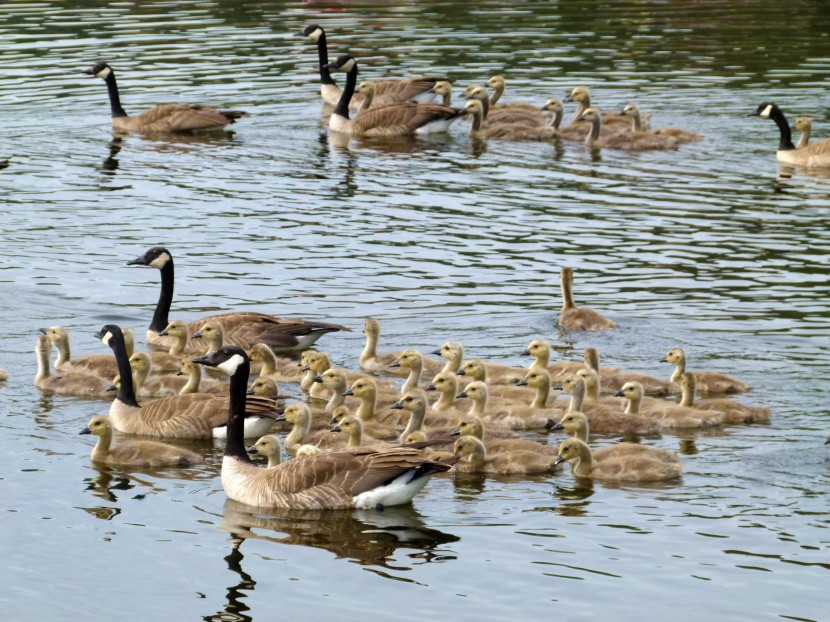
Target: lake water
(712, 248)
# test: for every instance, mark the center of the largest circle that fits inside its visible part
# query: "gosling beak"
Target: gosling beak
(430, 387)
(318, 379)
(86, 430)
(348, 392)
(395, 363)
(461, 395)
(521, 382)
(397, 405)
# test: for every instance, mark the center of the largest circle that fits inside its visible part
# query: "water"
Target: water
(712, 248)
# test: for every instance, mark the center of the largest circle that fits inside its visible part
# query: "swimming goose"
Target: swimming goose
(164, 118)
(626, 141)
(504, 441)
(416, 402)
(496, 116)
(242, 328)
(280, 368)
(135, 453)
(196, 384)
(504, 130)
(612, 379)
(576, 425)
(515, 416)
(196, 415)
(418, 88)
(446, 383)
(363, 479)
(707, 381)
(270, 447)
(805, 126)
(730, 410)
(96, 364)
(628, 468)
(578, 318)
(453, 351)
(814, 155)
(65, 382)
(668, 414)
(403, 119)
(605, 420)
(352, 427)
(680, 136)
(473, 458)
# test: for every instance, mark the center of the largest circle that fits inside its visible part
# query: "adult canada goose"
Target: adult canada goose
(270, 447)
(473, 458)
(669, 415)
(730, 410)
(707, 381)
(65, 382)
(813, 155)
(603, 419)
(515, 417)
(626, 141)
(575, 424)
(280, 368)
(196, 415)
(164, 118)
(241, 328)
(681, 136)
(363, 479)
(135, 453)
(628, 468)
(196, 384)
(805, 126)
(417, 88)
(507, 441)
(497, 116)
(352, 427)
(446, 383)
(578, 318)
(403, 119)
(612, 379)
(504, 131)
(96, 364)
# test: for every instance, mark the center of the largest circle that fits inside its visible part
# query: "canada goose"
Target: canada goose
(730, 410)
(539, 378)
(366, 389)
(446, 383)
(578, 318)
(805, 126)
(363, 479)
(242, 328)
(576, 425)
(507, 441)
(615, 122)
(270, 447)
(707, 381)
(96, 364)
(473, 458)
(497, 116)
(164, 118)
(453, 351)
(629, 468)
(196, 415)
(401, 119)
(626, 141)
(612, 379)
(603, 419)
(65, 382)
(135, 453)
(814, 155)
(196, 384)
(669, 415)
(497, 83)
(515, 417)
(680, 136)
(504, 130)
(417, 88)
(352, 427)
(280, 368)
(540, 350)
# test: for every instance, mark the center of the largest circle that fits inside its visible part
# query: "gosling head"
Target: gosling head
(157, 257)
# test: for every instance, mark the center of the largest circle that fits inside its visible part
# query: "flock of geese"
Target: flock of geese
(372, 436)
(407, 106)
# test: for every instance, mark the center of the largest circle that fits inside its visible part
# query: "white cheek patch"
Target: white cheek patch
(104, 73)
(766, 112)
(315, 34)
(159, 262)
(230, 366)
(106, 338)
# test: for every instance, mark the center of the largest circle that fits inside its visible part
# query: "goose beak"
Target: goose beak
(397, 405)
(461, 395)
(86, 430)
(395, 363)
(348, 392)
(318, 379)
(430, 387)
(619, 393)
(521, 382)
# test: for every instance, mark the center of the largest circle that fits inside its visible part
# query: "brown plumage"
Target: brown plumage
(578, 318)
(135, 453)
(165, 118)
(241, 328)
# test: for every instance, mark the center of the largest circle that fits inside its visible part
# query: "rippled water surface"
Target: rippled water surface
(711, 247)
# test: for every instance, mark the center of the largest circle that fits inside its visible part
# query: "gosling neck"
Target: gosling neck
(542, 392)
(115, 100)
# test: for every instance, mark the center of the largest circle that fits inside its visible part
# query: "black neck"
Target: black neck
(115, 101)
(160, 321)
(235, 445)
(351, 82)
(786, 142)
(323, 54)
(126, 393)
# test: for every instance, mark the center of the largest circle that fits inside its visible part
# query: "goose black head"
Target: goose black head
(101, 70)
(157, 257)
(227, 358)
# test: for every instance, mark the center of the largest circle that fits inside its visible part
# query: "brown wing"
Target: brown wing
(177, 118)
(400, 119)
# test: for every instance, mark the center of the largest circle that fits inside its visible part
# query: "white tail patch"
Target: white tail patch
(766, 112)
(230, 366)
(159, 262)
